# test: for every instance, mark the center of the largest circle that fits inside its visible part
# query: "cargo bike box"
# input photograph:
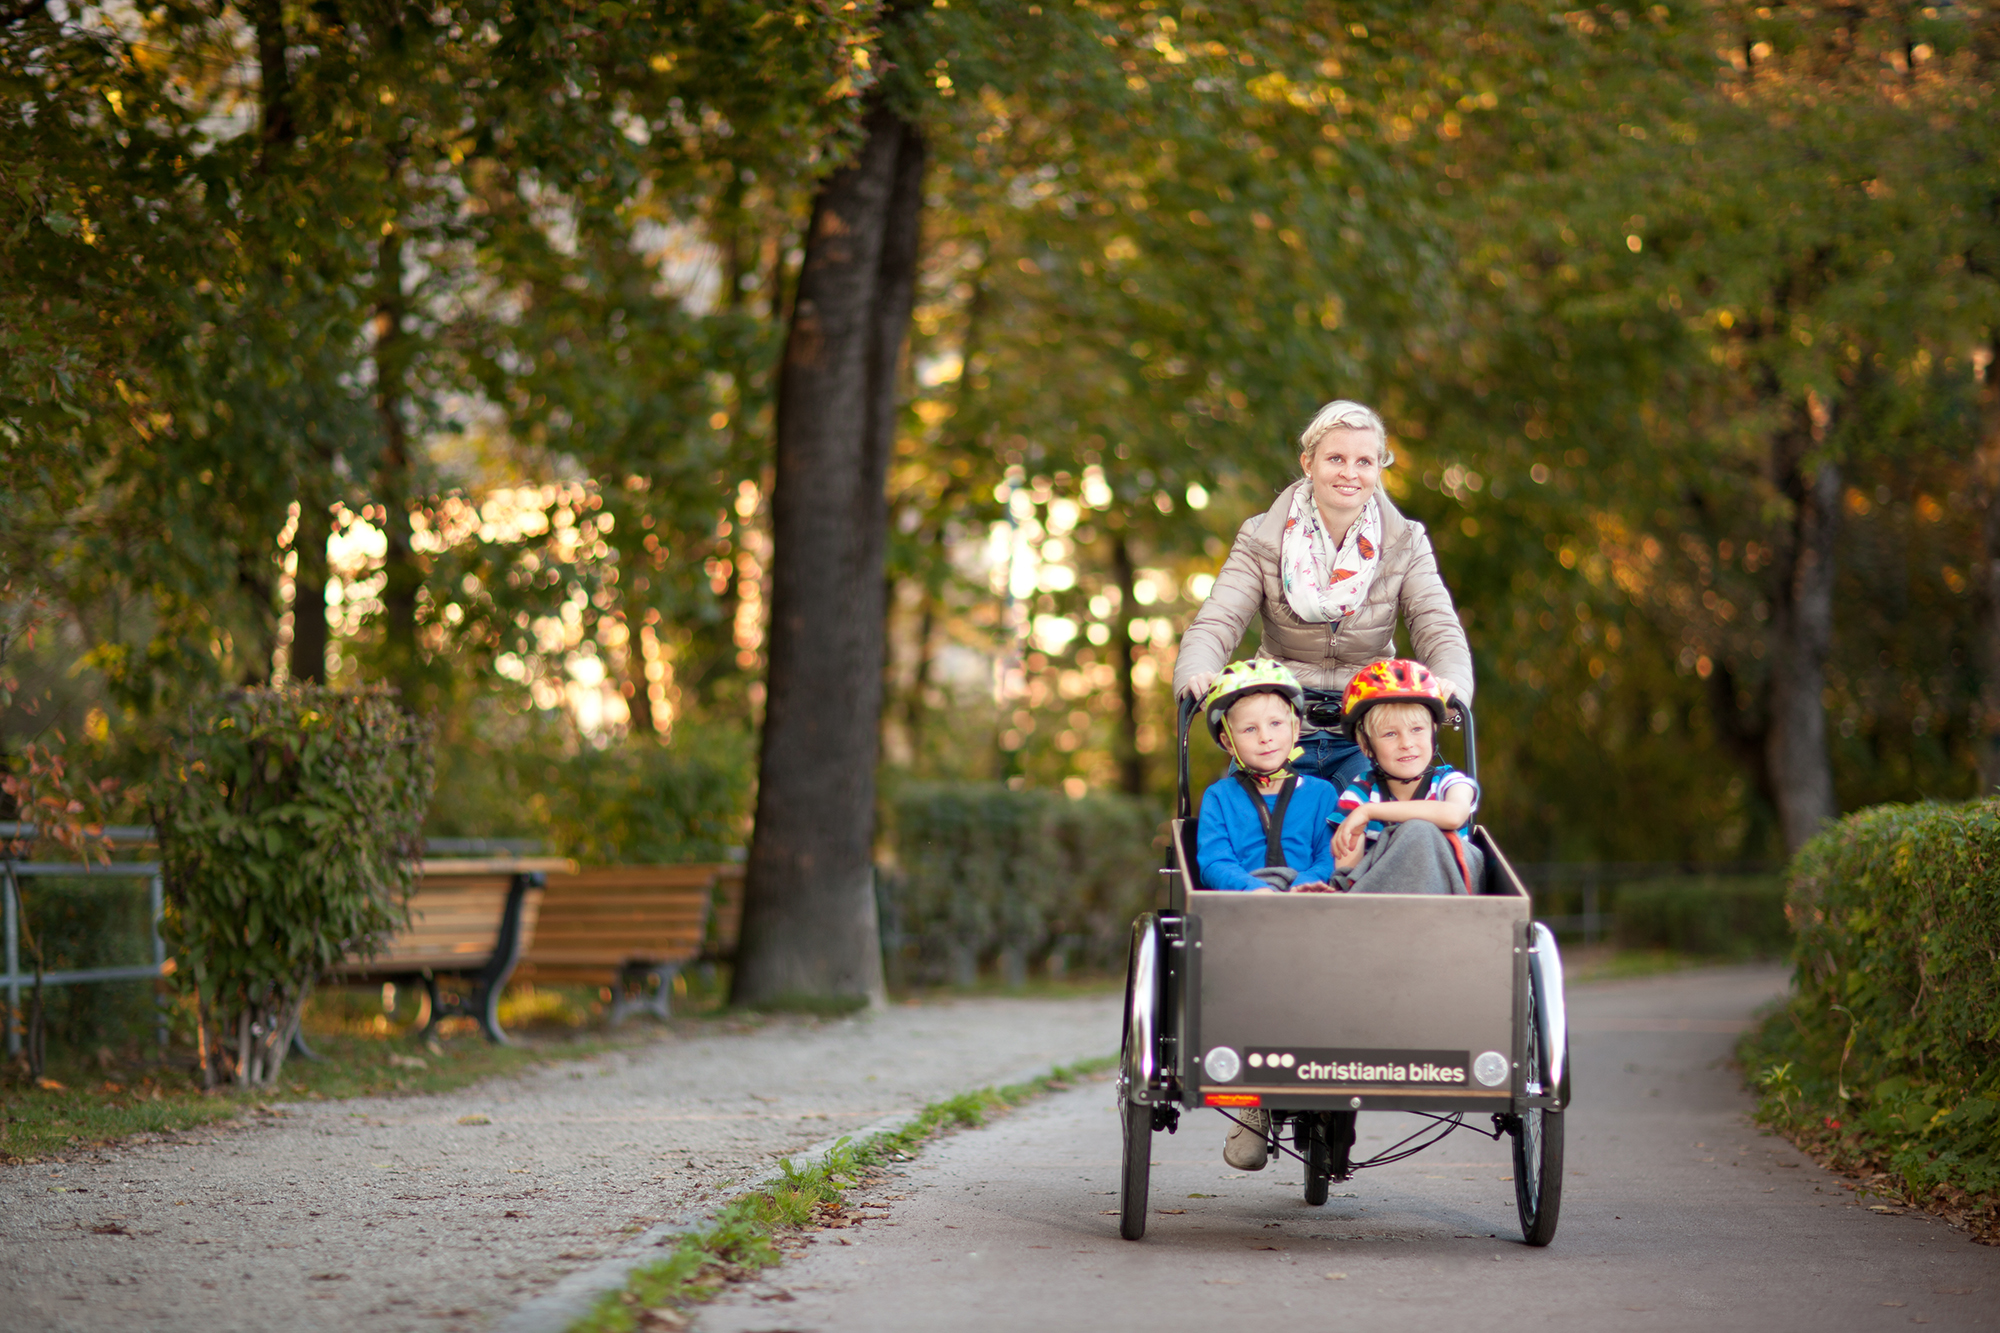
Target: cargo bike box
(1318, 1007)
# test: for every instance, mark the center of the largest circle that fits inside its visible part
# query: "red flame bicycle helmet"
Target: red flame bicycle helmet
(1393, 680)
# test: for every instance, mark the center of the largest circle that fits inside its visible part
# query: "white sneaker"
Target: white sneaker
(1246, 1148)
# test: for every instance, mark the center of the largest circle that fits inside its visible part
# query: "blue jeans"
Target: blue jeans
(1330, 756)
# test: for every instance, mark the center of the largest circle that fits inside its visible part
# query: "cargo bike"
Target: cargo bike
(1317, 1007)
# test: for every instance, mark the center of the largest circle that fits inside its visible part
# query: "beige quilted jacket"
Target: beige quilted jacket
(1322, 655)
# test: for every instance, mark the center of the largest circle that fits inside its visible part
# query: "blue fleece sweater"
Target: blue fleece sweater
(1232, 836)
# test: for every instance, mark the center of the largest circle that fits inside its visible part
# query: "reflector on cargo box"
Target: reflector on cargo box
(1232, 1099)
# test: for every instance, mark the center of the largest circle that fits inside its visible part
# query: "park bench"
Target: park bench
(470, 920)
(629, 929)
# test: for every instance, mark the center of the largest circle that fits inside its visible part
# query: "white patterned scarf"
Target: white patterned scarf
(1325, 583)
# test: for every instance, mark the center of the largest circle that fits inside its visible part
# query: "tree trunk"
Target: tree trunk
(809, 926)
(274, 80)
(1801, 640)
(914, 707)
(638, 690)
(394, 477)
(1986, 574)
(1131, 764)
(309, 578)
(280, 131)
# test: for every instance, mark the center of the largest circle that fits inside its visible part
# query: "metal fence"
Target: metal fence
(13, 981)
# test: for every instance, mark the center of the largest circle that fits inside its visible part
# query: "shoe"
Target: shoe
(1246, 1148)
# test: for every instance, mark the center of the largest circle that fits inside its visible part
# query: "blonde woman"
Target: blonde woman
(1329, 568)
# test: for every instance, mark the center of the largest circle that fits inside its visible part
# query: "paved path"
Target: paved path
(1678, 1214)
(463, 1211)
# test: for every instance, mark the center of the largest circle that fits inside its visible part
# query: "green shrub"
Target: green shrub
(1889, 1048)
(288, 823)
(1718, 916)
(635, 802)
(982, 872)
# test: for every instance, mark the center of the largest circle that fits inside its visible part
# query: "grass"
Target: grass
(367, 1049)
(1584, 963)
(754, 1231)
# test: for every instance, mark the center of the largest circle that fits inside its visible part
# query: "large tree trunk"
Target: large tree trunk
(1801, 640)
(809, 928)
(1131, 764)
(1986, 575)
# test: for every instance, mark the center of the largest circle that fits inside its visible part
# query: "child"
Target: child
(1406, 817)
(1262, 828)
(1260, 824)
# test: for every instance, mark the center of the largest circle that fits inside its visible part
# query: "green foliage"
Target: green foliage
(983, 871)
(1711, 916)
(1888, 1050)
(638, 803)
(288, 828)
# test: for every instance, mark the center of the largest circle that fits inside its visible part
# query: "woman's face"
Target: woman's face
(1343, 466)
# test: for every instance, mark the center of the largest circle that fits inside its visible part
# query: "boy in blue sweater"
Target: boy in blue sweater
(1263, 830)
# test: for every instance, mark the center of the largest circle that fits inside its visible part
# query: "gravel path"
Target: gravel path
(450, 1212)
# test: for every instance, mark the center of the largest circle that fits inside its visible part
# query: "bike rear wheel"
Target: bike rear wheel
(1136, 1173)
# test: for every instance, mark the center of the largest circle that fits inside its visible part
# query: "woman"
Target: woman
(1329, 567)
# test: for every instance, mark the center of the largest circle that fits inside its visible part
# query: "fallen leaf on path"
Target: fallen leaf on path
(329, 1277)
(1170, 1212)
(50, 1085)
(1336, 1277)
(474, 1119)
(1885, 1208)
(511, 1213)
(1894, 1305)
(1108, 1212)
(109, 1229)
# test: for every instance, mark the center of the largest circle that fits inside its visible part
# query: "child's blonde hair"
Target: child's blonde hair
(1393, 710)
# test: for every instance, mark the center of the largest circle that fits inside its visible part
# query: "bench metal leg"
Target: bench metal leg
(659, 1003)
(434, 1007)
(485, 1001)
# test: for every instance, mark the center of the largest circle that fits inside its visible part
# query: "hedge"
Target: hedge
(982, 874)
(1888, 1052)
(1716, 916)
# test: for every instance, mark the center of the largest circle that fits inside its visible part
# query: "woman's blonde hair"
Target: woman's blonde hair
(1345, 412)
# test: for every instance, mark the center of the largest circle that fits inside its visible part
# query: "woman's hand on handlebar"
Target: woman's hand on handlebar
(1197, 686)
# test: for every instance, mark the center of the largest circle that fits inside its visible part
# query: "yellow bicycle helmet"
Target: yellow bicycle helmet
(1254, 675)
